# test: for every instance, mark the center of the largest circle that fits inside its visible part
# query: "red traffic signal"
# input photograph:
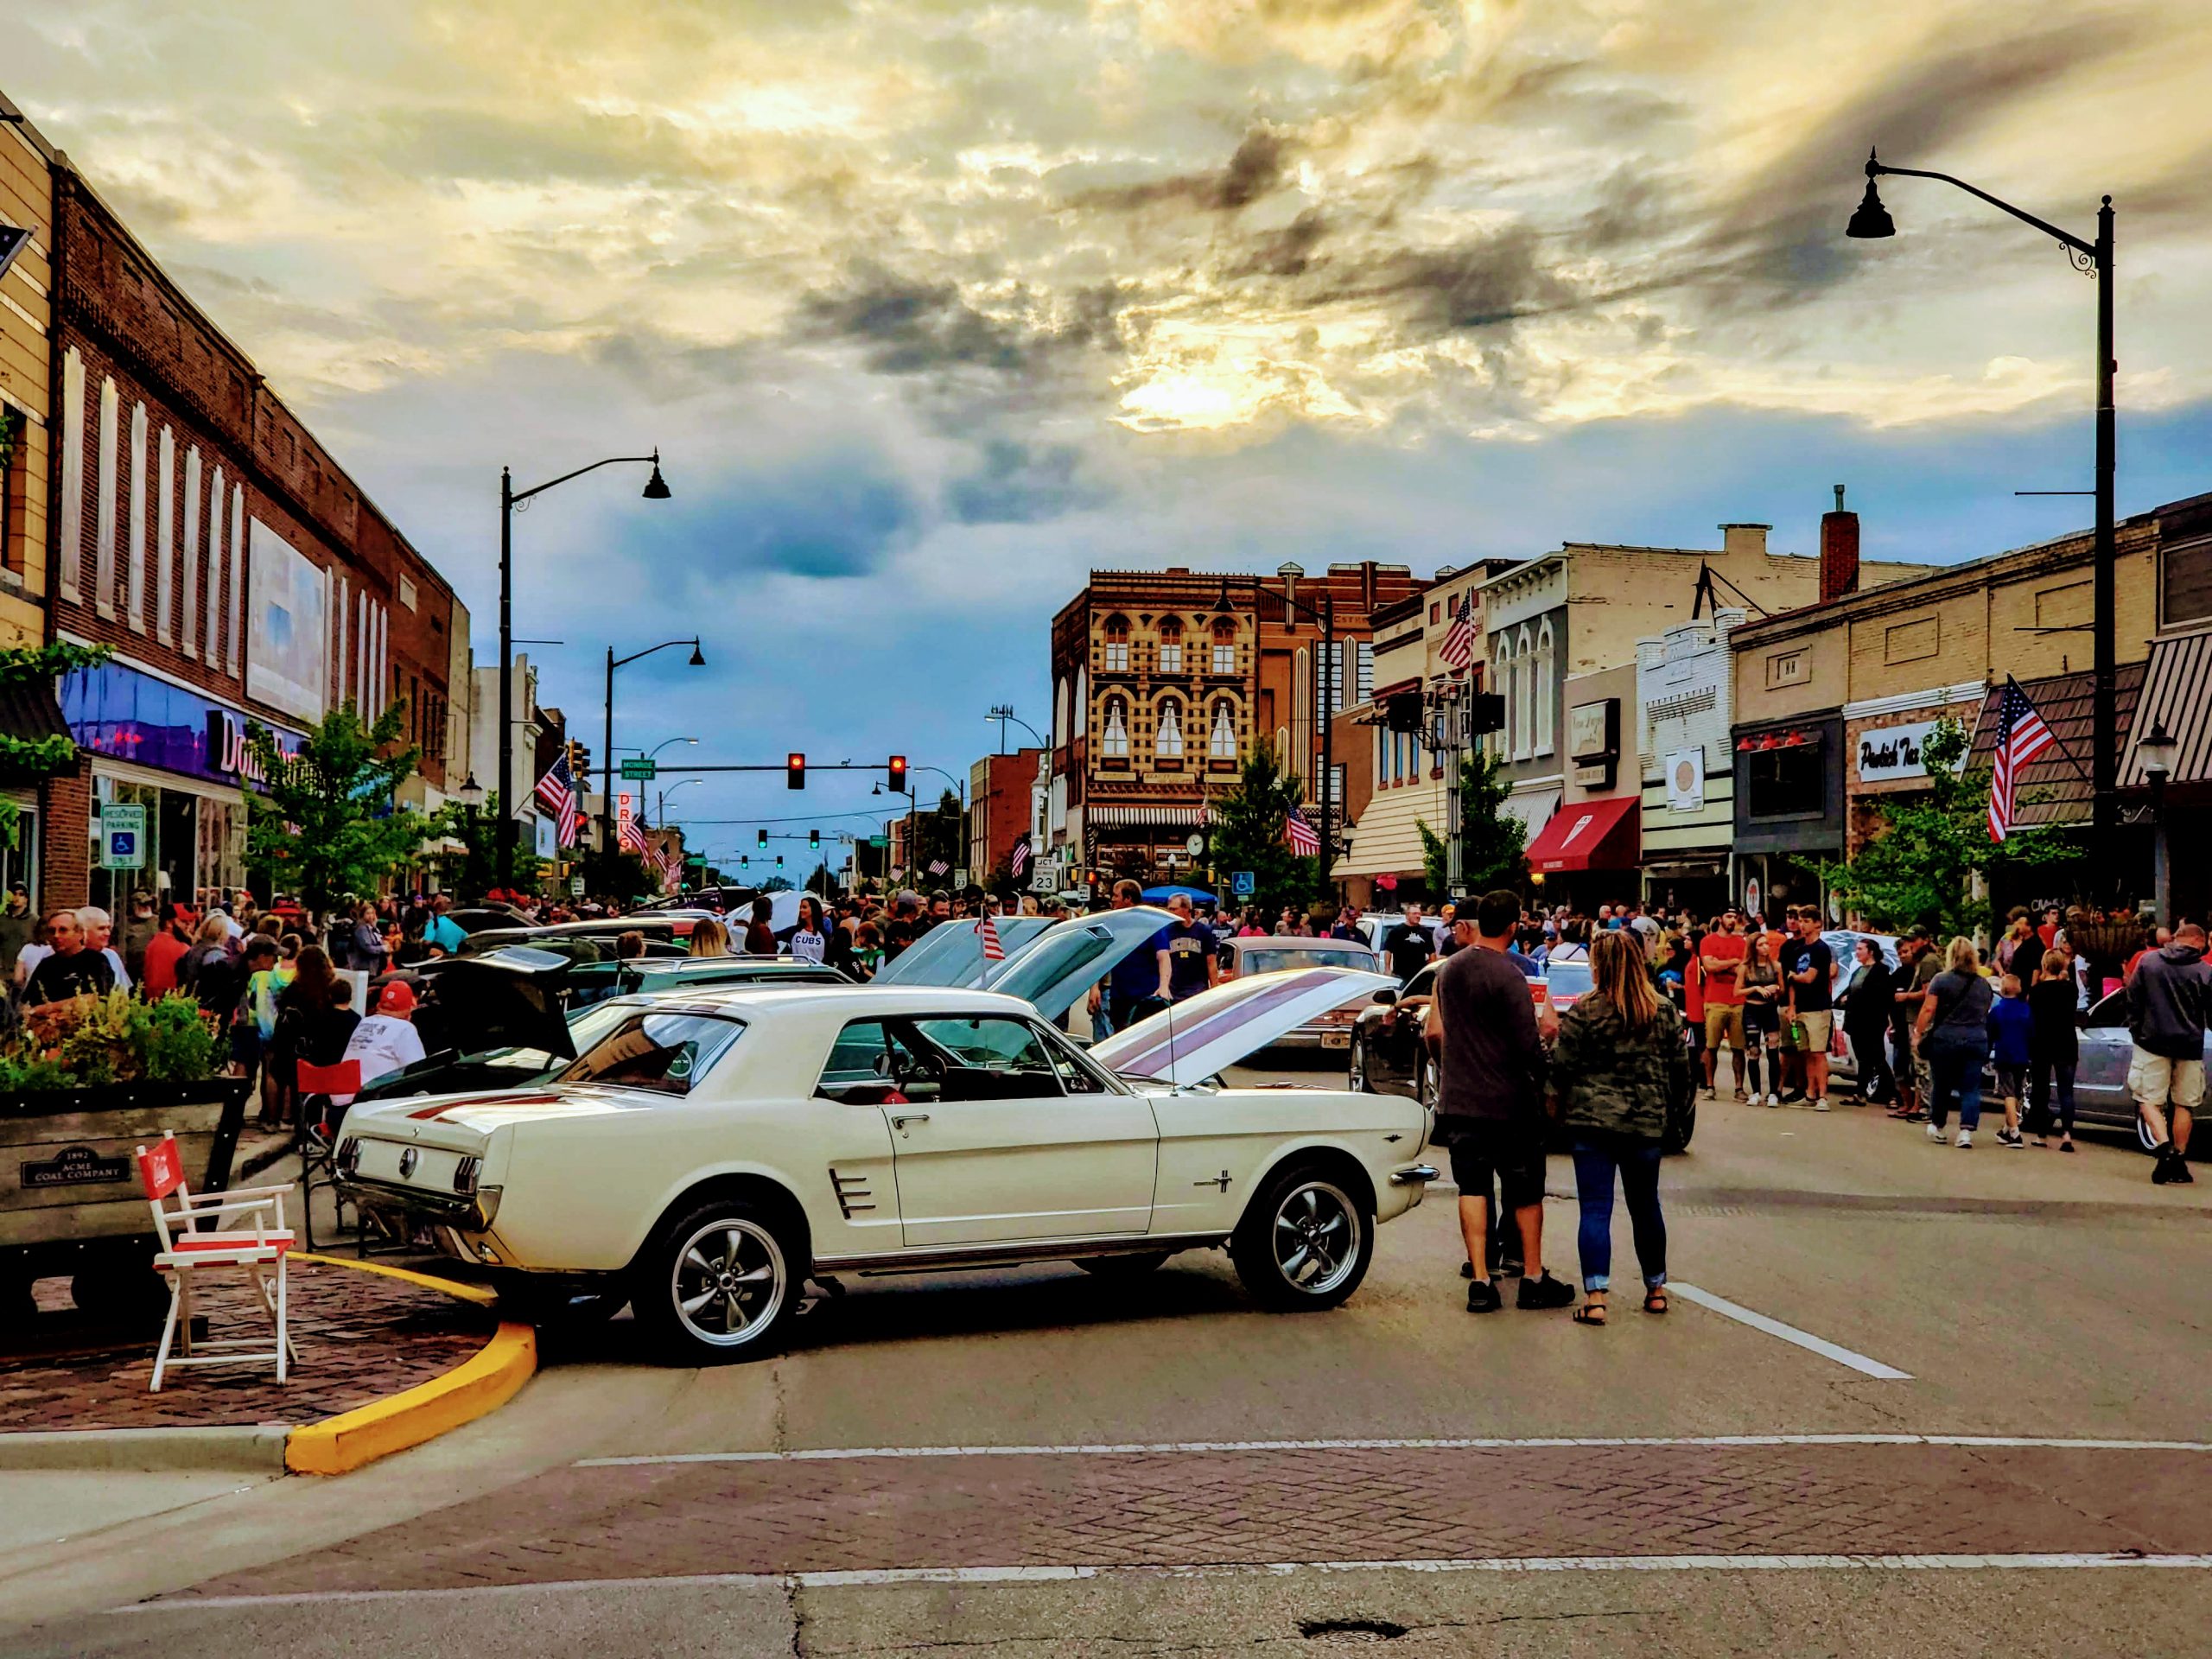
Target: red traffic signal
(898, 774)
(794, 772)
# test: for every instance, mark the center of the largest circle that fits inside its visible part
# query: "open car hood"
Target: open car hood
(1068, 957)
(1216, 1028)
(951, 953)
(508, 998)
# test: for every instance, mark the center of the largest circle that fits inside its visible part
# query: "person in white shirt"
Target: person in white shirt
(810, 941)
(98, 927)
(387, 1040)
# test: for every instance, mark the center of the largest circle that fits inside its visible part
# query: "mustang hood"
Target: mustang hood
(1068, 958)
(509, 998)
(1216, 1028)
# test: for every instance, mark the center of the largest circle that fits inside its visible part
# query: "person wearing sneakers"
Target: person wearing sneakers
(1720, 956)
(1953, 1033)
(1762, 994)
(2011, 1041)
(1808, 968)
(1488, 1042)
(2053, 1049)
(2166, 1003)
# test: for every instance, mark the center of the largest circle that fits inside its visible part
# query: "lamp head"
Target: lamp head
(698, 661)
(2156, 750)
(656, 486)
(1871, 222)
(472, 792)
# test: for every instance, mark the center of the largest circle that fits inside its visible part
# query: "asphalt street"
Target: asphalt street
(1910, 1400)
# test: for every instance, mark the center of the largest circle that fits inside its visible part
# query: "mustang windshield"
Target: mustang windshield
(668, 1053)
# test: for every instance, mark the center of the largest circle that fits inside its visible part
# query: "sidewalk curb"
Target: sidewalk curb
(478, 1386)
(259, 1447)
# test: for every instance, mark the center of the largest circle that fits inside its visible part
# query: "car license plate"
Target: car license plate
(1336, 1039)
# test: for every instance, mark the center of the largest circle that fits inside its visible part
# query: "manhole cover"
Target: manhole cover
(1349, 1629)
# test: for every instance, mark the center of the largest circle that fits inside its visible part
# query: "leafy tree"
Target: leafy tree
(1493, 844)
(776, 884)
(1920, 867)
(22, 760)
(325, 824)
(822, 882)
(1248, 833)
(479, 833)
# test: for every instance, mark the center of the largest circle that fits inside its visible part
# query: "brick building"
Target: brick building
(239, 573)
(1003, 805)
(1162, 681)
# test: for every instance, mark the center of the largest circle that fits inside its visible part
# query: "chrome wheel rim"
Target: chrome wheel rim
(1358, 1068)
(728, 1282)
(1429, 1088)
(1316, 1238)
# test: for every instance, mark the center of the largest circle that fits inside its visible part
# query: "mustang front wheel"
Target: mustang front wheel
(1304, 1243)
(719, 1284)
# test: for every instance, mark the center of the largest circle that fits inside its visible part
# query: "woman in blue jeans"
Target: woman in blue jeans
(1620, 1059)
(1953, 1033)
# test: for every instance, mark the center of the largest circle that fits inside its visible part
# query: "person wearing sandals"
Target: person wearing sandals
(1620, 1059)
(2053, 1049)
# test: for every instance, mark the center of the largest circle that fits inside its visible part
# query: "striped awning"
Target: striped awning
(2054, 787)
(1167, 813)
(2178, 695)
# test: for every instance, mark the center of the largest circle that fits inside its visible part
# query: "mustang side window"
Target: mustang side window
(866, 1060)
(993, 1059)
(666, 1052)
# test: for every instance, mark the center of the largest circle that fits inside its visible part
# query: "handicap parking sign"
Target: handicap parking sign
(123, 836)
(1243, 883)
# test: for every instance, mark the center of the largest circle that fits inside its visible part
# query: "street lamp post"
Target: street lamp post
(1870, 222)
(607, 846)
(1003, 712)
(913, 808)
(656, 490)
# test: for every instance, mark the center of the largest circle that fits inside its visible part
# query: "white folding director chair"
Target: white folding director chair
(257, 1248)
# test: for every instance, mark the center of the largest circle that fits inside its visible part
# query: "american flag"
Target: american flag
(938, 867)
(1299, 833)
(671, 869)
(556, 791)
(632, 836)
(1459, 647)
(2021, 736)
(987, 929)
(1018, 860)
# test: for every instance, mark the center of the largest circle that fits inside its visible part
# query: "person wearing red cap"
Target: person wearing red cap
(387, 1040)
(164, 950)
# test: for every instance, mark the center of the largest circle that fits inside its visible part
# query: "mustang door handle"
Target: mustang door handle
(1417, 1173)
(900, 1120)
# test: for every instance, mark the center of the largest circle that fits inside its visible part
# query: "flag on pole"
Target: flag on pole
(1018, 860)
(1299, 833)
(2021, 736)
(556, 792)
(987, 930)
(938, 867)
(1459, 647)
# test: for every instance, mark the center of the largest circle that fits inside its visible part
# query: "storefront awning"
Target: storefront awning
(1534, 807)
(2178, 695)
(1599, 834)
(1188, 817)
(29, 710)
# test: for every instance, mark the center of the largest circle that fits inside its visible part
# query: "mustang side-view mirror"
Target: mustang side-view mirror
(1385, 999)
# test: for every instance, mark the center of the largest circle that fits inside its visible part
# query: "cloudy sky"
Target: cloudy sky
(932, 306)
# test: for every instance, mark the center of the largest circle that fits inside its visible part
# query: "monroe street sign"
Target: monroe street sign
(640, 771)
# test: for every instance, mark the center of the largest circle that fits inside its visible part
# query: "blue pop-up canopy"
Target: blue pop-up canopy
(1161, 895)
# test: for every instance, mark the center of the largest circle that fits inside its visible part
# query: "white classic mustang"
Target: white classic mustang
(713, 1150)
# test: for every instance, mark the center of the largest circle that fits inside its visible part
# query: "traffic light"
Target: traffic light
(794, 772)
(814, 841)
(898, 774)
(744, 860)
(779, 860)
(764, 838)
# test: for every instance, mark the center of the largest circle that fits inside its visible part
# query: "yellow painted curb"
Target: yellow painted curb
(476, 1294)
(479, 1385)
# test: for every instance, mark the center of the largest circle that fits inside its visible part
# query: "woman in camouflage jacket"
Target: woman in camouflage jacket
(1619, 1061)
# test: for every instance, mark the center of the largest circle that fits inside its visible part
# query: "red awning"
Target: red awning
(1588, 836)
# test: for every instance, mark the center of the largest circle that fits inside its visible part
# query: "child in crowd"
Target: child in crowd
(2011, 1042)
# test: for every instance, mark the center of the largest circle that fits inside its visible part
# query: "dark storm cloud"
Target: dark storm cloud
(1256, 169)
(1284, 252)
(1019, 484)
(1477, 283)
(817, 515)
(905, 326)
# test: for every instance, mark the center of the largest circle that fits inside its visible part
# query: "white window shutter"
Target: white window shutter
(72, 514)
(165, 539)
(104, 506)
(218, 503)
(187, 612)
(238, 580)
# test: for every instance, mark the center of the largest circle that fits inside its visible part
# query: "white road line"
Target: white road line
(896, 1576)
(1805, 1340)
(1139, 1448)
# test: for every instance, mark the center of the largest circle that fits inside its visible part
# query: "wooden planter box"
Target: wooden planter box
(70, 1201)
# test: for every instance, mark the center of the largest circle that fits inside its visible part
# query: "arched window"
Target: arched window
(1060, 715)
(1547, 687)
(1116, 740)
(1302, 696)
(1224, 645)
(1222, 745)
(1171, 645)
(1524, 696)
(1081, 728)
(1168, 743)
(1117, 644)
(1501, 683)
(1282, 746)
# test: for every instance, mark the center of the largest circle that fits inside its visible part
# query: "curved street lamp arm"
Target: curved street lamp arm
(611, 461)
(617, 662)
(1875, 169)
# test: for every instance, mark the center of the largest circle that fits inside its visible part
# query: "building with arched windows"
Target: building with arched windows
(1163, 681)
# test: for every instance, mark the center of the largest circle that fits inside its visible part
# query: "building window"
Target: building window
(1525, 697)
(1503, 678)
(1060, 715)
(407, 593)
(1224, 646)
(2185, 583)
(12, 542)
(1546, 688)
(1116, 657)
(1364, 690)
(1169, 743)
(1787, 781)
(1222, 745)
(1116, 740)
(1170, 646)
(1079, 717)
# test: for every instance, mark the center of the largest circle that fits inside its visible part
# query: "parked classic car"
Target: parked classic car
(1262, 954)
(709, 1154)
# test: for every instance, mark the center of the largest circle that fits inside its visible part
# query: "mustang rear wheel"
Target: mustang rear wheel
(720, 1283)
(1304, 1243)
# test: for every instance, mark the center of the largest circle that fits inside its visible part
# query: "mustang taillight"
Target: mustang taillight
(465, 1174)
(349, 1155)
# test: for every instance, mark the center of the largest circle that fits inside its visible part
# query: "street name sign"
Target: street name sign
(640, 771)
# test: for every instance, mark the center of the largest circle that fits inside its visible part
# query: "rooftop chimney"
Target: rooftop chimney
(1839, 551)
(1743, 541)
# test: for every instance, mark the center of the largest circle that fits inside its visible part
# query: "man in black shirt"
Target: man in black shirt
(1809, 967)
(1408, 946)
(72, 970)
(1185, 952)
